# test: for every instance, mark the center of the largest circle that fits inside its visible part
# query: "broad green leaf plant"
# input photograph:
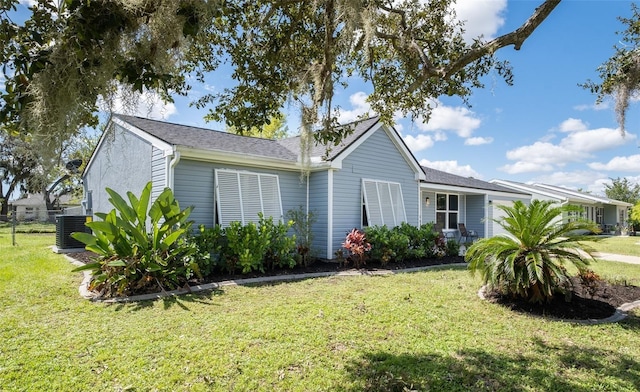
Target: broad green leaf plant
(529, 261)
(141, 245)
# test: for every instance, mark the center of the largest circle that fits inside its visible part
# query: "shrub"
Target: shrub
(280, 247)
(589, 280)
(302, 223)
(452, 248)
(209, 243)
(246, 247)
(357, 246)
(136, 257)
(421, 239)
(403, 242)
(529, 261)
(379, 237)
(250, 247)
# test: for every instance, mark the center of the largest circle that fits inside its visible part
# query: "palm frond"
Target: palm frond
(529, 260)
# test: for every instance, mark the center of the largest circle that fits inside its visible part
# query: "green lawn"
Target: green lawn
(620, 245)
(426, 331)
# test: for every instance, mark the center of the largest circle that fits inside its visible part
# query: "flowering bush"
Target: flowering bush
(356, 245)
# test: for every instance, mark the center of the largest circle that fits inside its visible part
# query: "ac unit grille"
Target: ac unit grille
(67, 224)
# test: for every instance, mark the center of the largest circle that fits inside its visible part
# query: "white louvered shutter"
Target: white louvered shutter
(251, 197)
(228, 197)
(397, 201)
(271, 201)
(241, 196)
(384, 204)
(372, 203)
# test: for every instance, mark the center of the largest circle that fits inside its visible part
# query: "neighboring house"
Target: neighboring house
(32, 207)
(609, 214)
(449, 199)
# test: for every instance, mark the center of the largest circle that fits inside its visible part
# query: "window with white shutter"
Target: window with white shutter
(241, 195)
(383, 203)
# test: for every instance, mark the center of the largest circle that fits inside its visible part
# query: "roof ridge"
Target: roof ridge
(231, 134)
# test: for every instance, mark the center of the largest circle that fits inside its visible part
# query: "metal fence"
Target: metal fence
(22, 223)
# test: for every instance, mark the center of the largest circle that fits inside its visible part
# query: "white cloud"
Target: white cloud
(567, 179)
(482, 17)
(448, 118)
(419, 143)
(477, 141)
(360, 107)
(579, 144)
(596, 140)
(544, 153)
(630, 164)
(525, 167)
(451, 167)
(595, 106)
(572, 125)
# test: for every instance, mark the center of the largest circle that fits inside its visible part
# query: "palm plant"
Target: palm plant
(529, 261)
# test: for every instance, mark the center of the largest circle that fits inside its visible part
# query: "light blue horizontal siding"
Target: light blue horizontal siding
(318, 205)
(158, 172)
(377, 159)
(475, 214)
(194, 186)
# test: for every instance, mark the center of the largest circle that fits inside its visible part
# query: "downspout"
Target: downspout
(330, 214)
(488, 219)
(307, 210)
(306, 232)
(419, 205)
(173, 160)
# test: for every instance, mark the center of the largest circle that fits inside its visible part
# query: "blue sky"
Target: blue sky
(545, 128)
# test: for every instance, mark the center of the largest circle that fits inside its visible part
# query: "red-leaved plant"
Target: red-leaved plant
(356, 245)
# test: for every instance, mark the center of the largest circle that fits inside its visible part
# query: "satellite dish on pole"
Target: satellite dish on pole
(74, 165)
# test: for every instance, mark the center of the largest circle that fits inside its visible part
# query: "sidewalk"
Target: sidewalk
(620, 258)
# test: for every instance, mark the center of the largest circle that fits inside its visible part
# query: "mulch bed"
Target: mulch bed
(317, 266)
(596, 302)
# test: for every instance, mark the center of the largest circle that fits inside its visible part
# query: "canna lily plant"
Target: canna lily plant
(140, 245)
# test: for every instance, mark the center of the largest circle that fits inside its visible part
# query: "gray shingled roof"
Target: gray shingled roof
(208, 139)
(434, 176)
(318, 150)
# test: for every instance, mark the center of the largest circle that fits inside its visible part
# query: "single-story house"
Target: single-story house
(370, 178)
(610, 214)
(449, 199)
(32, 207)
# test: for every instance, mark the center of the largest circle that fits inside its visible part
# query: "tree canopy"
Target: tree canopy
(275, 129)
(620, 74)
(68, 55)
(623, 190)
(23, 169)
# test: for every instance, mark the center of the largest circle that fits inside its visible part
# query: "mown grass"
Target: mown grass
(426, 331)
(28, 227)
(624, 245)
